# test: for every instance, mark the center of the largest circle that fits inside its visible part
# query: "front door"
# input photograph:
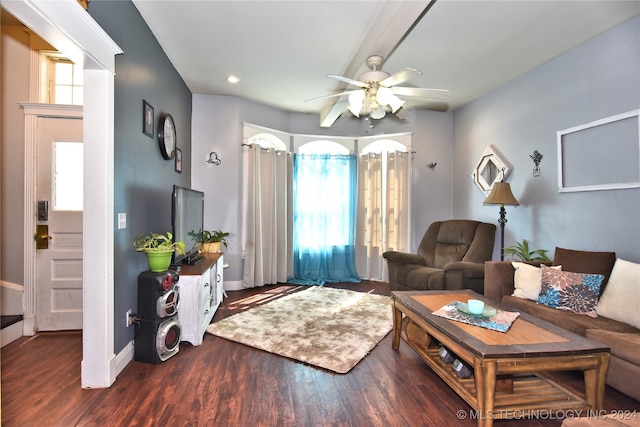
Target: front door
(59, 194)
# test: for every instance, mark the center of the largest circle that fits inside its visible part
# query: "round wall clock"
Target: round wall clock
(167, 136)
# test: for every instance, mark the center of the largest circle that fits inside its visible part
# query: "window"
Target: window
(266, 140)
(62, 80)
(68, 176)
(323, 147)
(383, 145)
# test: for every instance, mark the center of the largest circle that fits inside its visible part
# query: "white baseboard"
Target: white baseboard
(235, 285)
(10, 333)
(124, 357)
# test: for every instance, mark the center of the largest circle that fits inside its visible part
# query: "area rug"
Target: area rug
(330, 328)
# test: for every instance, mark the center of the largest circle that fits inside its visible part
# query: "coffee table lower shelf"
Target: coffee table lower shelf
(531, 392)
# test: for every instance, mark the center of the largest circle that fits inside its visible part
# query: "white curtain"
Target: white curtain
(267, 212)
(384, 211)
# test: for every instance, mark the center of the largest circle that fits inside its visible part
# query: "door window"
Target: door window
(67, 188)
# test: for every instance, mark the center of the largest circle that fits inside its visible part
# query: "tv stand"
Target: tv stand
(193, 259)
(201, 291)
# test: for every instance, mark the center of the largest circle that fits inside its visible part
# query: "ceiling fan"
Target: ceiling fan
(376, 93)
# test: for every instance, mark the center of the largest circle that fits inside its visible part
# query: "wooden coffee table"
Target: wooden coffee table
(509, 368)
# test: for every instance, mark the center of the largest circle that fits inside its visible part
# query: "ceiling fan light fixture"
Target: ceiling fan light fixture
(385, 96)
(378, 113)
(396, 103)
(356, 99)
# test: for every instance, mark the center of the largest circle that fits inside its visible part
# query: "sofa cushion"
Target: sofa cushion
(586, 262)
(623, 345)
(527, 280)
(564, 290)
(621, 300)
(575, 323)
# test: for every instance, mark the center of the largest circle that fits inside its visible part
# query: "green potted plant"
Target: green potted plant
(210, 241)
(159, 248)
(522, 252)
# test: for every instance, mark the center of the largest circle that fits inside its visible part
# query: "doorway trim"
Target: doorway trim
(70, 29)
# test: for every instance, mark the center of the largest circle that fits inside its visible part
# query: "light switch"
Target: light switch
(122, 220)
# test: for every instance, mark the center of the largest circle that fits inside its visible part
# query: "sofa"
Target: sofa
(451, 255)
(613, 315)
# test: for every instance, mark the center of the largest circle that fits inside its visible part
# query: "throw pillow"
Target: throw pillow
(527, 280)
(586, 262)
(577, 292)
(621, 299)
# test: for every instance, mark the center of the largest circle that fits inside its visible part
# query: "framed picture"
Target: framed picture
(600, 155)
(147, 119)
(178, 160)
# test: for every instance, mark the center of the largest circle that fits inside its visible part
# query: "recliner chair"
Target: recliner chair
(451, 255)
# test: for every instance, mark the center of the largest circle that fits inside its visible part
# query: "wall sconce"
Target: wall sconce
(214, 159)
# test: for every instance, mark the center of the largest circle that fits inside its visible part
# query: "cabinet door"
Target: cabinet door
(219, 267)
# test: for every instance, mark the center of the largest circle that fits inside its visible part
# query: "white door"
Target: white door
(59, 186)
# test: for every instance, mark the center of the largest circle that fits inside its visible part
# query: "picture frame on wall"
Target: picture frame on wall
(148, 119)
(178, 160)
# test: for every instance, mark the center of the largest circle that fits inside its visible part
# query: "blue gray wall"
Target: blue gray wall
(598, 79)
(143, 179)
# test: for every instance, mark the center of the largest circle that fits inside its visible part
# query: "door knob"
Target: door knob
(42, 236)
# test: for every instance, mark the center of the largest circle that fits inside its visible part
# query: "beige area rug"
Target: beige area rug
(330, 328)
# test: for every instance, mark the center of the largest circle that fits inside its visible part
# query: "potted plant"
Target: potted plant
(159, 248)
(522, 252)
(210, 241)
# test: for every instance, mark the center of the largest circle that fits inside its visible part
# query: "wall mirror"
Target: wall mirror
(491, 167)
(600, 155)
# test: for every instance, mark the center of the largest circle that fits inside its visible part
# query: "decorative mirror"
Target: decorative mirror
(491, 168)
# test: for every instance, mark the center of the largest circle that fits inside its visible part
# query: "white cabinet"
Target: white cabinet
(200, 289)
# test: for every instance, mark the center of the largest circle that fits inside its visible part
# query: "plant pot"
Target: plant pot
(159, 261)
(211, 247)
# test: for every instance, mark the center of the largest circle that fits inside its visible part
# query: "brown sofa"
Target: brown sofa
(451, 255)
(622, 338)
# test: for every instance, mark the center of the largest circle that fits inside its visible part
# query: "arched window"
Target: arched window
(266, 140)
(322, 147)
(384, 145)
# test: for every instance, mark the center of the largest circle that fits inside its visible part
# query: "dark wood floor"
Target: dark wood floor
(221, 383)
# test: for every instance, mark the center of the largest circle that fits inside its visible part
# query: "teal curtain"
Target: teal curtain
(324, 215)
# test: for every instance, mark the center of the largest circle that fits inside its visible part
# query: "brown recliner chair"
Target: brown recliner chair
(451, 255)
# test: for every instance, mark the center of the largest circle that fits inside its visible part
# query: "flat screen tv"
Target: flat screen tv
(187, 216)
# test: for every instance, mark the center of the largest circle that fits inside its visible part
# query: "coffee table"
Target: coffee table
(509, 368)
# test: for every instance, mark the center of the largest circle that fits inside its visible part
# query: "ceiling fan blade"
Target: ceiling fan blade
(402, 114)
(421, 92)
(348, 80)
(400, 77)
(332, 95)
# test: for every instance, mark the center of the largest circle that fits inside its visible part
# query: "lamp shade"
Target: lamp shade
(501, 195)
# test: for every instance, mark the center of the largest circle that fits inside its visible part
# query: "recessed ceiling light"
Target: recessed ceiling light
(233, 79)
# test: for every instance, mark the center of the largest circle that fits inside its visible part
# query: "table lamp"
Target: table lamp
(501, 195)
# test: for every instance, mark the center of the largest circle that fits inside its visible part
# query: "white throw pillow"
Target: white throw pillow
(527, 280)
(621, 298)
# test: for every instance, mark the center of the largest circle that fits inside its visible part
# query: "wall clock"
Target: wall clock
(167, 136)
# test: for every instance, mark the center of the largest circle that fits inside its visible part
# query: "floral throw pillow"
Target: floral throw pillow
(576, 292)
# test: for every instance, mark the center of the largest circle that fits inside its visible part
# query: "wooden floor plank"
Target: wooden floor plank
(222, 383)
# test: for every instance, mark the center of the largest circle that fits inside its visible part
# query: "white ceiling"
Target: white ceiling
(282, 50)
